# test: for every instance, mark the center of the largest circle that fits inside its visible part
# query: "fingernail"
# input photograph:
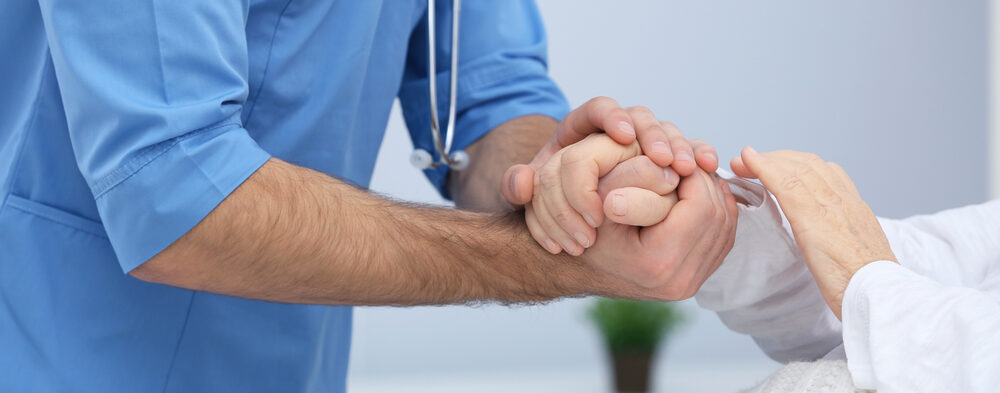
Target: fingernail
(683, 155)
(627, 128)
(513, 185)
(672, 177)
(551, 246)
(660, 147)
(582, 240)
(751, 150)
(710, 155)
(619, 205)
(590, 220)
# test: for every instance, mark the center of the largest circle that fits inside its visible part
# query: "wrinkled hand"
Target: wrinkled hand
(836, 231)
(566, 208)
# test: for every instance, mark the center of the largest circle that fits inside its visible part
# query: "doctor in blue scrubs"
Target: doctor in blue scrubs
(216, 152)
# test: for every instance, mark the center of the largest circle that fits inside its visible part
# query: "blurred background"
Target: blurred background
(897, 92)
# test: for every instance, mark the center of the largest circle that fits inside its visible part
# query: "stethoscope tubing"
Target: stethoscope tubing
(454, 160)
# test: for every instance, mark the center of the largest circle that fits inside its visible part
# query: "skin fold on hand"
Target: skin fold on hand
(835, 229)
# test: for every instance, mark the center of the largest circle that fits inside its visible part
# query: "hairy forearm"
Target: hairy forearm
(513, 142)
(290, 234)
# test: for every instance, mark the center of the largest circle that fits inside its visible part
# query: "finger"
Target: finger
(678, 233)
(820, 166)
(518, 185)
(705, 155)
(548, 187)
(740, 169)
(583, 235)
(536, 231)
(651, 135)
(638, 206)
(601, 114)
(800, 191)
(555, 232)
(583, 164)
(683, 162)
(640, 172)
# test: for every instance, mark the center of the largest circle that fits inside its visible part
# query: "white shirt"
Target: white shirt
(930, 323)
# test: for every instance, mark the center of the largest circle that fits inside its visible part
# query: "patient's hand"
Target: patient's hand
(564, 206)
(836, 231)
(632, 190)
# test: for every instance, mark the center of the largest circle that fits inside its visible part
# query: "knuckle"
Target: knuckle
(562, 217)
(640, 110)
(548, 178)
(812, 157)
(572, 156)
(791, 183)
(720, 215)
(603, 100)
(669, 126)
(801, 170)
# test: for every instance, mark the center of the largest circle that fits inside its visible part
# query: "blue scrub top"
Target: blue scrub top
(124, 122)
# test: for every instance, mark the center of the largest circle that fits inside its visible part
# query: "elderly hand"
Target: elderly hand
(836, 231)
(565, 206)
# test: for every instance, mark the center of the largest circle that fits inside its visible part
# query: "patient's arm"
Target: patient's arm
(954, 247)
(764, 289)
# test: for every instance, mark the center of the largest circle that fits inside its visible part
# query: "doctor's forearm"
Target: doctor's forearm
(513, 142)
(290, 234)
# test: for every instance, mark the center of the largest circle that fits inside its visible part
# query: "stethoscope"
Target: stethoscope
(421, 158)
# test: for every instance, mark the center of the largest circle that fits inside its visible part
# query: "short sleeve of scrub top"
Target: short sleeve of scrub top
(153, 98)
(503, 74)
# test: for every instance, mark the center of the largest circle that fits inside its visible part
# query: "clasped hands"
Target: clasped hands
(635, 199)
(632, 197)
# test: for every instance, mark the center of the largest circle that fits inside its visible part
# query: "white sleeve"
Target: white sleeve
(904, 332)
(764, 289)
(954, 247)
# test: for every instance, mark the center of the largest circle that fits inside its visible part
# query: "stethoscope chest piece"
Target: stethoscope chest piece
(421, 158)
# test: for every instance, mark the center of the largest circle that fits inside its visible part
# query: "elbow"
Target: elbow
(150, 272)
(165, 268)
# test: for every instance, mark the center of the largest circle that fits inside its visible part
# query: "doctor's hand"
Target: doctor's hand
(670, 259)
(661, 142)
(836, 231)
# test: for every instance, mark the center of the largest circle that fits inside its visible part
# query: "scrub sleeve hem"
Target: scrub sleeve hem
(161, 199)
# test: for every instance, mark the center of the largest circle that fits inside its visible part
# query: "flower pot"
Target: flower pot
(632, 371)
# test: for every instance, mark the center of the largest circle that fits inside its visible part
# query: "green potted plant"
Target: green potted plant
(632, 331)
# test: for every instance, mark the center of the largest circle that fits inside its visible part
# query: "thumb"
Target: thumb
(741, 165)
(518, 184)
(638, 206)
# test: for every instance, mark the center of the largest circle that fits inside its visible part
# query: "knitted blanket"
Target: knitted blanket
(821, 376)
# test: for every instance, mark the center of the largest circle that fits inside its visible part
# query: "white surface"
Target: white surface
(895, 86)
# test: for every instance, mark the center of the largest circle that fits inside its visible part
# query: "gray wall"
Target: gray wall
(894, 91)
